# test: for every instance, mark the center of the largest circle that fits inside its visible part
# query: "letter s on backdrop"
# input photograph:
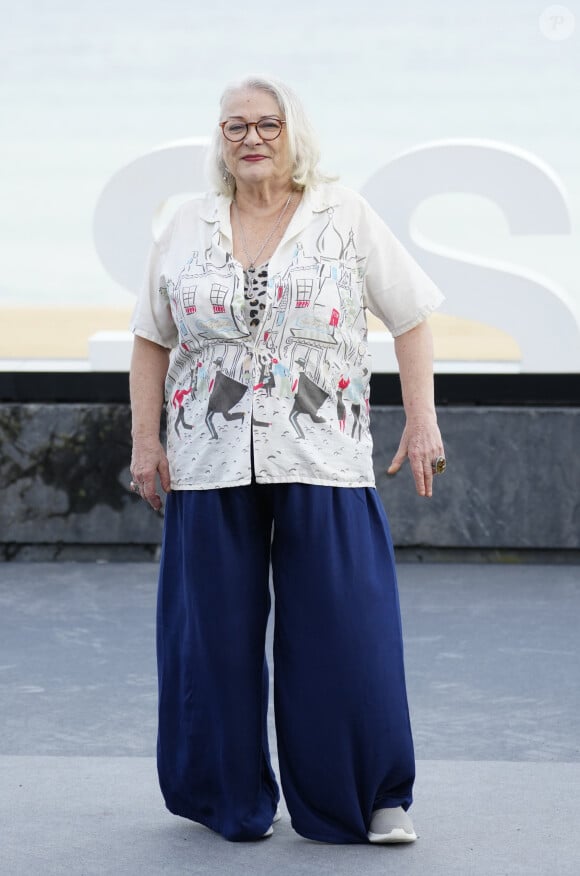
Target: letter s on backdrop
(528, 306)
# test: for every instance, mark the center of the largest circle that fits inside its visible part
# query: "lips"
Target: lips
(254, 158)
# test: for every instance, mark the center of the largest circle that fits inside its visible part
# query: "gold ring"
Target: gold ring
(438, 465)
(135, 486)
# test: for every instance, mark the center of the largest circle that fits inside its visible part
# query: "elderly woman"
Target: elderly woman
(252, 327)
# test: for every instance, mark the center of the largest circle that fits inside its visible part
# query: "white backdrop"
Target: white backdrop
(88, 89)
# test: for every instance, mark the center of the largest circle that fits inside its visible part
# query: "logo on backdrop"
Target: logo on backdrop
(557, 22)
(527, 305)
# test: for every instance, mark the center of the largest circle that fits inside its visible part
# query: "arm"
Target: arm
(149, 364)
(421, 440)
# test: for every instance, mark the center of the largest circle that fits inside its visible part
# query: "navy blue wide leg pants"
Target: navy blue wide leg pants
(342, 720)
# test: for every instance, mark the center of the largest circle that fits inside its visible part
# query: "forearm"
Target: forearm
(421, 440)
(414, 351)
(149, 364)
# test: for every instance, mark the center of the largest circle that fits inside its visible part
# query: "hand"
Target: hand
(147, 461)
(421, 442)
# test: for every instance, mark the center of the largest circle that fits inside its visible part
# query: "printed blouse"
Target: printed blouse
(297, 387)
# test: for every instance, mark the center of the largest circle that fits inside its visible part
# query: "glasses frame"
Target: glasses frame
(249, 125)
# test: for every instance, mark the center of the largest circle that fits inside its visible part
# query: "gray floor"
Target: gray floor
(493, 673)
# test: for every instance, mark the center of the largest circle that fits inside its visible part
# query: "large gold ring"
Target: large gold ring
(438, 465)
(135, 486)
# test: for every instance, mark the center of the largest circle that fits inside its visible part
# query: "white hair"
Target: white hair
(302, 142)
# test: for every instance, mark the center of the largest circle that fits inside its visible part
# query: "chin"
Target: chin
(255, 171)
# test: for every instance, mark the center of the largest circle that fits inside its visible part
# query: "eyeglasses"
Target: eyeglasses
(268, 128)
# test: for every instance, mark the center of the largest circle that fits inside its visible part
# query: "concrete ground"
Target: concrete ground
(493, 669)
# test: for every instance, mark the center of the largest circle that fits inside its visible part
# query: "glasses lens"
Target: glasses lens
(235, 130)
(269, 129)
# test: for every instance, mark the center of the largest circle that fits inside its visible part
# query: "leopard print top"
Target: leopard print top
(255, 295)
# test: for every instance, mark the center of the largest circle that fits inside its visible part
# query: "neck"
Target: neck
(265, 197)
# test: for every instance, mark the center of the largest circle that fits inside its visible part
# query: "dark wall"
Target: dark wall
(512, 482)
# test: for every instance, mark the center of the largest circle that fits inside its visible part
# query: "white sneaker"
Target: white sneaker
(391, 826)
(277, 817)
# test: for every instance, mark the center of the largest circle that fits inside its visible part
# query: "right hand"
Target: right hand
(147, 461)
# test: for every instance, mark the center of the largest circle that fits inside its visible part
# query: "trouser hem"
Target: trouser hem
(335, 839)
(393, 803)
(238, 836)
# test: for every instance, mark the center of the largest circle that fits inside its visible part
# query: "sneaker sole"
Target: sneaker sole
(398, 835)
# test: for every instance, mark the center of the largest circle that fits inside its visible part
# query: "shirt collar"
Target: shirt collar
(216, 209)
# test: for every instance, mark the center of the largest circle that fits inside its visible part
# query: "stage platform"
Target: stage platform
(493, 664)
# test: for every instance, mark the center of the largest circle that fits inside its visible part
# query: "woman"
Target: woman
(262, 287)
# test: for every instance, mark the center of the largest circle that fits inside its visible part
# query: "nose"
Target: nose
(252, 138)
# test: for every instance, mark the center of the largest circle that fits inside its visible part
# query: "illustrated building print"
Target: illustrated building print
(189, 299)
(315, 315)
(202, 301)
(304, 292)
(313, 284)
(217, 296)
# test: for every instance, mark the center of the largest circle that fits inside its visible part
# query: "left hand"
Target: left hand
(421, 442)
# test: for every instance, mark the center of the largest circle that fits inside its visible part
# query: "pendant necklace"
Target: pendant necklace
(269, 237)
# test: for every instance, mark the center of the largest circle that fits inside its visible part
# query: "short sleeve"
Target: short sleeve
(152, 318)
(396, 289)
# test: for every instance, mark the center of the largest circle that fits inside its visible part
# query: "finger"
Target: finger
(430, 474)
(156, 503)
(149, 493)
(136, 483)
(418, 470)
(398, 459)
(428, 479)
(164, 476)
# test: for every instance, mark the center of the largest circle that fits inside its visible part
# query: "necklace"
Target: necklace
(269, 237)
